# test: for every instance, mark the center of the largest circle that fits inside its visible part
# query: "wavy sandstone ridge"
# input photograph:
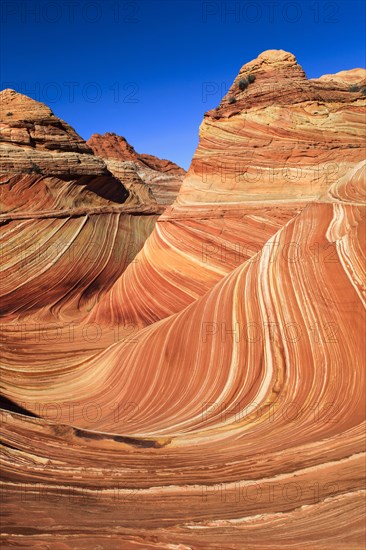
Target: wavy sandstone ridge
(223, 373)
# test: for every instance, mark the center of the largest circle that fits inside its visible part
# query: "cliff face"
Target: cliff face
(164, 177)
(281, 137)
(223, 373)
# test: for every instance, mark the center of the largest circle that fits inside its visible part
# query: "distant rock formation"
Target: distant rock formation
(164, 177)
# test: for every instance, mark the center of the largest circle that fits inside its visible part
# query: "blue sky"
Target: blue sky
(148, 70)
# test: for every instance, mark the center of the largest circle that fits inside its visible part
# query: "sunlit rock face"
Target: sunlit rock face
(208, 392)
(281, 137)
(285, 142)
(164, 177)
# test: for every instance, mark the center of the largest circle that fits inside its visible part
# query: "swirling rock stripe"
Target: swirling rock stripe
(61, 267)
(185, 256)
(220, 475)
(167, 357)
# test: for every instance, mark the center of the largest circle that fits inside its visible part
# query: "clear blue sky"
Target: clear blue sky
(140, 68)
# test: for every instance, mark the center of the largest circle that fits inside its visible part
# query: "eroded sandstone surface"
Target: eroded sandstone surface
(207, 391)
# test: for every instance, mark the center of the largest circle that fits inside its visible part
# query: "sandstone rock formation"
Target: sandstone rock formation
(164, 177)
(211, 395)
(285, 142)
(70, 227)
